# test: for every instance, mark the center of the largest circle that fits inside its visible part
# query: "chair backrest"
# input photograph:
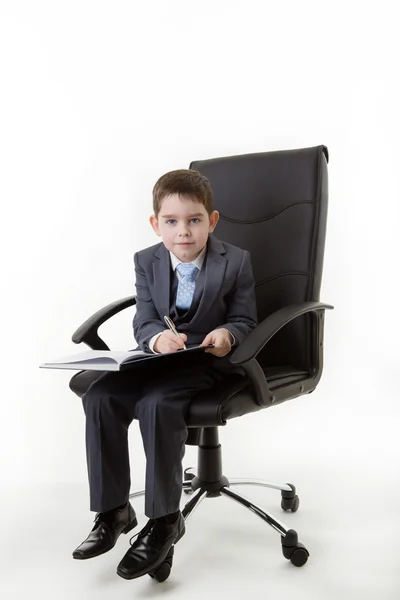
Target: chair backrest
(274, 204)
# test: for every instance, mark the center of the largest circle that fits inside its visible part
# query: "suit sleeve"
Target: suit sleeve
(242, 309)
(146, 322)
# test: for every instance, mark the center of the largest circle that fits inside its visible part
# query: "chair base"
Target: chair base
(210, 482)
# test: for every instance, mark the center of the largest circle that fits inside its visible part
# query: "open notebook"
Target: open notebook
(109, 360)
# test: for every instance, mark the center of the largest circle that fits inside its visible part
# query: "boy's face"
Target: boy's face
(184, 226)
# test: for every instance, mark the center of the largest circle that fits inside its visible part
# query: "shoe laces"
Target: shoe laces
(146, 529)
(101, 518)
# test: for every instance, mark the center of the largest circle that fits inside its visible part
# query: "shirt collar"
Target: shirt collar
(198, 261)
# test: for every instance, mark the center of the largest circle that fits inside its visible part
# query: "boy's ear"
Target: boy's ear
(154, 223)
(214, 217)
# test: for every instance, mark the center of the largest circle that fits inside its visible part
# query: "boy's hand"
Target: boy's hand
(221, 338)
(169, 342)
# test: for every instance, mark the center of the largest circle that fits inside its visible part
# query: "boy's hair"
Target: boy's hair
(187, 183)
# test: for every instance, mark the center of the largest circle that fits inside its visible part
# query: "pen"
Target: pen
(172, 327)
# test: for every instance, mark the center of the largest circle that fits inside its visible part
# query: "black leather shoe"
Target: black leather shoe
(151, 547)
(108, 527)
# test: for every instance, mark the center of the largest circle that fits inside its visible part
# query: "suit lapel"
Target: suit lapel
(162, 280)
(214, 276)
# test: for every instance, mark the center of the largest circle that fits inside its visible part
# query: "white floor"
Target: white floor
(350, 528)
(341, 453)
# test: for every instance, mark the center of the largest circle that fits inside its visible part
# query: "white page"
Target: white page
(106, 357)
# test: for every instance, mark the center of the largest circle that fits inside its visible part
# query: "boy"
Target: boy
(207, 288)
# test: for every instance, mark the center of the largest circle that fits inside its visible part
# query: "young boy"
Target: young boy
(207, 288)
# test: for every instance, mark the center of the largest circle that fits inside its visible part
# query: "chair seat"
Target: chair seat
(231, 398)
(236, 397)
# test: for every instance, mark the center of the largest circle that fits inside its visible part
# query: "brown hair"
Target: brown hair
(187, 183)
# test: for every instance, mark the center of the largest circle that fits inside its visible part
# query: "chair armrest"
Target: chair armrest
(256, 340)
(87, 332)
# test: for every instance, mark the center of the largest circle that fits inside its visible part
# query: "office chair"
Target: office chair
(273, 204)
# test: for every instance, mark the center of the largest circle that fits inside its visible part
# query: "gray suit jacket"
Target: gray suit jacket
(228, 298)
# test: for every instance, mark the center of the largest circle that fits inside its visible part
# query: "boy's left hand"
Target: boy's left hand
(222, 340)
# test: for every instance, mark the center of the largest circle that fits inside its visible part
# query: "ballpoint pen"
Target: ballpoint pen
(172, 327)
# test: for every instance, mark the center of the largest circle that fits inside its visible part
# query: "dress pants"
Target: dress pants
(159, 398)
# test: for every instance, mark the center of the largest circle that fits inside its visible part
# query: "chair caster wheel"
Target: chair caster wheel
(299, 556)
(292, 549)
(290, 503)
(163, 571)
(188, 477)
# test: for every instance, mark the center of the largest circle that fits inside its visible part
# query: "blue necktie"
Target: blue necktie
(186, 286)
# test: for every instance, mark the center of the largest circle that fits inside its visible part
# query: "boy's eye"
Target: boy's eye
(174, 220)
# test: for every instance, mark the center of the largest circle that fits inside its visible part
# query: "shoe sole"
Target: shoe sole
(154, 567)
(127, 529)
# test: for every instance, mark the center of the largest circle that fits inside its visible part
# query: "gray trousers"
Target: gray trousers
(159, 399)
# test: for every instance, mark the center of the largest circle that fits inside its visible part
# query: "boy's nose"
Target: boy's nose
(184, 232)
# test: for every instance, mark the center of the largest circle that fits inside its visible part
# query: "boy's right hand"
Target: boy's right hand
(169, 342)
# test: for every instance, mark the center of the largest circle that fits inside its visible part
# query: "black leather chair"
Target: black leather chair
(274, 205)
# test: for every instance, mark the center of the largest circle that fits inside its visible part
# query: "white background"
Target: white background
(98, 99)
